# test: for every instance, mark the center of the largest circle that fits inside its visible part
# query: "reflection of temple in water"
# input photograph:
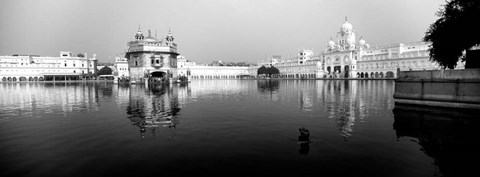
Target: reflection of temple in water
(450, 137)
(150, 108)
(346, 102)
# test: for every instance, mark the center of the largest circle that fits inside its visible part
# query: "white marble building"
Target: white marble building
(347, 58)
(383, 61)
(305, 65)
(121, 68)
(37, 68)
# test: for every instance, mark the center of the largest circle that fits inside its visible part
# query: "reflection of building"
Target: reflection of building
(449, 136)
(37, 68)
(43, 97)
(154, 107)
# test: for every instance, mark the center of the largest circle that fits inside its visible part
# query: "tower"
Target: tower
(169, 37)
(346, 39)
(139, 35)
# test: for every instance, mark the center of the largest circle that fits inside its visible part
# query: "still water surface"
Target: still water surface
(228, 128)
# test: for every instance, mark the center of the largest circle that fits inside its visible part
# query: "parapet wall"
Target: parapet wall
(445, 88)
(441, 74)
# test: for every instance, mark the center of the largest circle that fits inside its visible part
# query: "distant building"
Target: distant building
(350, 59)
(37, 68)
(305, 65)
(121, 68)
(347, 58)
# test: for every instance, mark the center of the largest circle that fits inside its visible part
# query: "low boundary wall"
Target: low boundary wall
(444, 88)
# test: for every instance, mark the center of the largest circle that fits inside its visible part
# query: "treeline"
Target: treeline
(268, 71)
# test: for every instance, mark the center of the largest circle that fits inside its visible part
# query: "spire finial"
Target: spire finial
(155, 34)
(138, 27)
(345, 18)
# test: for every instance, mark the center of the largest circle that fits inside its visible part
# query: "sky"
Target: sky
(207, 30)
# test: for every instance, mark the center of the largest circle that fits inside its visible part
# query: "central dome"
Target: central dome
(346, 27)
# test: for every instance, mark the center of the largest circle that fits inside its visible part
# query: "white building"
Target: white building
(37, 68)
(383, 61)
(219, 72)
(305, 65)
(347, 58)
(121, 68)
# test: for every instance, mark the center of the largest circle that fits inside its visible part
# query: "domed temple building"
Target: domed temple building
(151, 59)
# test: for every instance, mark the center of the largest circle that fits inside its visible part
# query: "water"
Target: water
(229, 128)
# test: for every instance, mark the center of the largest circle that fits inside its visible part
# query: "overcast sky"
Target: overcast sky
(206, 30)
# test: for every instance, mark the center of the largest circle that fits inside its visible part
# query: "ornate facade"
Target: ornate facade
(150, 58)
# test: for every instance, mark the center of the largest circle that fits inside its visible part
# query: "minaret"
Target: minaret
(139, 35)
(169, 37)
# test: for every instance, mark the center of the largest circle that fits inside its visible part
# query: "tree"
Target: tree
(454, 32)
(272, 70)
(105, 71)
(262, 70)
(81, 55)
(268, 71)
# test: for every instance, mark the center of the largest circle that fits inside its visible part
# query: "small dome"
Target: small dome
(361, 42)
(331, 44)
(346, 27)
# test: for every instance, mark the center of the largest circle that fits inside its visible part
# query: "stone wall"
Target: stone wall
(446, 88)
